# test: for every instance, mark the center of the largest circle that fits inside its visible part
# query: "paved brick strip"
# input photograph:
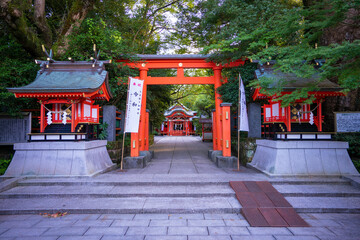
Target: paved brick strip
(263, 206)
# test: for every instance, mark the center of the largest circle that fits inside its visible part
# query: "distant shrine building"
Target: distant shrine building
(178, 121)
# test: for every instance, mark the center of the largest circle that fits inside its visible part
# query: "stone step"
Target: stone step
(120, 205)
(318, 190)
(89, 205)
(208, 190)
(171, 180)
(325, 204)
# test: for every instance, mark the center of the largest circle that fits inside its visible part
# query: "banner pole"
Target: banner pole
(122, 151)
(123, 142)
(238, 162)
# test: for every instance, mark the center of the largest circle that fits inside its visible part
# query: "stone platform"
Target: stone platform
(304, 158)
(60, 159)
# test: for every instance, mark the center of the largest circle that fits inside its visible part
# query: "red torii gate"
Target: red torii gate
(221, 139)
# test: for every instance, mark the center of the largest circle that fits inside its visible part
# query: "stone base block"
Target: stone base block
(323, 158)
(60, 159)
(226, 162)
(134, 162)
(212, 154)
(220, 161)
(140, 161)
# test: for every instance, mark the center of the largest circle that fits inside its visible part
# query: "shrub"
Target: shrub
(4, 163)
(354, 146)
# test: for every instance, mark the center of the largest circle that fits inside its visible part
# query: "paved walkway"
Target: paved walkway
(181, 155)
(172, 227)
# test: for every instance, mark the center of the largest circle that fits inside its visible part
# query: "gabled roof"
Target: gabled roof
(67, 77)
(290, 82)
(179, 108)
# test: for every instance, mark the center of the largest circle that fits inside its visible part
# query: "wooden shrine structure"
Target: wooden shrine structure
(178, 121)
(66, 91)
(311, 151)
(298, 120)
(206, 129)
(221, 119)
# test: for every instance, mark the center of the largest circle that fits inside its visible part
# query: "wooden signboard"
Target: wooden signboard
(347, 121)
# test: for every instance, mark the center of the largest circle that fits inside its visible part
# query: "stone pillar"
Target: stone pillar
(109, 117)
(254, 120)
(28, 121)
(226, 129)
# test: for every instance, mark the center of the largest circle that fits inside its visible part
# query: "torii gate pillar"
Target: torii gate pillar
(218, 101)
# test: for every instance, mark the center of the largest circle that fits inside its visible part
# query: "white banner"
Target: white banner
(133, 107)
(243, 118)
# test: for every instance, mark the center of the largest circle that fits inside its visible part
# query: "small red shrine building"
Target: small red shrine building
(178, 121)
(299, 117)
(66, 91)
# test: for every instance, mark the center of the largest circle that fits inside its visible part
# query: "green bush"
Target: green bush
(354, 146)
(4, 163)
(354, 142)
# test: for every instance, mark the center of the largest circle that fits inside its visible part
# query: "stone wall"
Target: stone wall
(247, 149)
(15, 130)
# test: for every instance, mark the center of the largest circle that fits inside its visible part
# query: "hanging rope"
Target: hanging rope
(62, 112)
(55, 112)
(311, 111)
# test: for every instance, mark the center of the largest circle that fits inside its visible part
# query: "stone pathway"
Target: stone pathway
(180, 155)
(184, 196)
(172, 227)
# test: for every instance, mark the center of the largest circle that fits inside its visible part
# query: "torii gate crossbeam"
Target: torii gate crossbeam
(140, 141)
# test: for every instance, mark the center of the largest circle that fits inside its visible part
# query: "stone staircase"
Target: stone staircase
(170, 194)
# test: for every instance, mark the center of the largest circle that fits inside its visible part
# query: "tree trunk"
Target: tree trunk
(75, 17)
(31, 38)
(16, 20)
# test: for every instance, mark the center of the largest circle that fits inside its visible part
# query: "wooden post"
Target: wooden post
(214, 130)
(73, 111)
(319, 113)
(218, 101)
(288, 119)
(42, 118)
(226, 127)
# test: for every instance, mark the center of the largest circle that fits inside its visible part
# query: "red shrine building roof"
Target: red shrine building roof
(68, 79)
